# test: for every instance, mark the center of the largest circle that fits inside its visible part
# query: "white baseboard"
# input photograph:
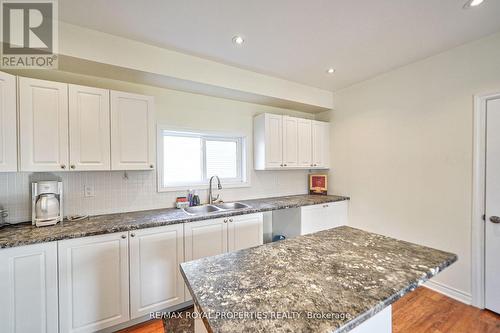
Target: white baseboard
(449, 291)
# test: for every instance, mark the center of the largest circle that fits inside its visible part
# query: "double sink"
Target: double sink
(215, 208)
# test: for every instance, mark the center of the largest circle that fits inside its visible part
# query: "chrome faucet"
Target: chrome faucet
(211, 199)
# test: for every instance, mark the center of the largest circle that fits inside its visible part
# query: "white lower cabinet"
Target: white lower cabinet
(309, 219)
(93, 282)
(28, 289)
(155, 279)
(245, 231)
(217, 236)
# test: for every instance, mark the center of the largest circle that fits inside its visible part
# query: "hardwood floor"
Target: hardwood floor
(420, 311)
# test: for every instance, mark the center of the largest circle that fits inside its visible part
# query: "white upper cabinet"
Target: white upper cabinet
(89, 128)
(43, 125)
(290, 142)
(283, 142)
(155, 279)
(8, 123)
(320, 144)
(132, 132)
(28, 285)
(304, 145)
(268, 141)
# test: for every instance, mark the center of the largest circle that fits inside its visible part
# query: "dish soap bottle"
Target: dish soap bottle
(196, 199)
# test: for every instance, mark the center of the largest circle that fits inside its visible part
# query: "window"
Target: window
(188, 160)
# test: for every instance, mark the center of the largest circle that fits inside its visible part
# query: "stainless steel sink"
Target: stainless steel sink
(207, 209)
(232, 205)
(200, 210)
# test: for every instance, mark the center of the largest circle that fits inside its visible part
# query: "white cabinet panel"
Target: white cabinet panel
(320, 144)
(290, 142)
(268, 141)
(204, 239)
(245, 231)
(155, 279)
(93, 282)
(294, 222)
(132, 131)
(43, 125)
(89, 128)
(304, 144)
(322, 217)
(28, 285)
(8, 123)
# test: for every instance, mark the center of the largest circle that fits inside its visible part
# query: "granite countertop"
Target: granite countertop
(346, 273)
(25, 233)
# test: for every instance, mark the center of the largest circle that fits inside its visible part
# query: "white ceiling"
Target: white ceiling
(295, 39)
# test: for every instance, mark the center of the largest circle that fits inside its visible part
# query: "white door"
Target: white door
(8, 123)
(132, 131)
(93, 282)
(204, 239)
(89, 128)
(43, 125)
(304, 128)
(320, 144)
(290, 142)
(492, 231)
(155, 279)
(274, 141)
(245, 231)
(322, 217)
(28, 289)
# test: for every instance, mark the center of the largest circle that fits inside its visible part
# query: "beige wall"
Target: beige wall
(402, 150)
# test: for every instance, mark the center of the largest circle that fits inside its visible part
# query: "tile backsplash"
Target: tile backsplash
(117, 191)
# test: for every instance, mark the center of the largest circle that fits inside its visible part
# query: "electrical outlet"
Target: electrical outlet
(89, 191)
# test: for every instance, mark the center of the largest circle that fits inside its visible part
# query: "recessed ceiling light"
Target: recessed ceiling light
(238, 40)
(473, 3)
(330, 70)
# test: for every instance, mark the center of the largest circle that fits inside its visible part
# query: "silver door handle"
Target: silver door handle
(495, 219)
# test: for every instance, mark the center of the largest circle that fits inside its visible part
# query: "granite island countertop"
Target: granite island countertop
(25, 233)
(346, 273)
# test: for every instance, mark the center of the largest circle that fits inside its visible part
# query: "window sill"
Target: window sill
(201, 187)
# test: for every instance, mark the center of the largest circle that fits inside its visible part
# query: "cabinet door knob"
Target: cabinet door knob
(151, 166)
(63, 166)
(72, 166)
(132, 235)
(281, 165)
(284, 164)
(230, 220)
(124, 236)
(225, 220)
(495, 219)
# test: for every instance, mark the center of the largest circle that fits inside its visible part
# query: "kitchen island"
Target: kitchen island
(338, 280)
